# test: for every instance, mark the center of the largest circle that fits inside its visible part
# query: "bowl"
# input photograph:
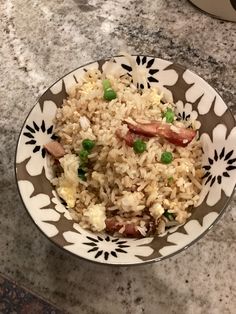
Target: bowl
(193, 96)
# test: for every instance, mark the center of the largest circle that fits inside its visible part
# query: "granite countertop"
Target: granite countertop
(41, 41)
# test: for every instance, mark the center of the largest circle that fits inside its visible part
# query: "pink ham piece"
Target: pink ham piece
(113, 226)
(129, 137)
(130, 231)
(55, 149)
(173, 134)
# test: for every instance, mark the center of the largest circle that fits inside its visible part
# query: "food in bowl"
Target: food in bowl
(124, 161)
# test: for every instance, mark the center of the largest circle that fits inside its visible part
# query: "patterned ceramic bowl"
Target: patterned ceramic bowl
(194, 97)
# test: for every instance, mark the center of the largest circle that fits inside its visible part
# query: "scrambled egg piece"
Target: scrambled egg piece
(155, 97)
(69, 181)
(156, 210)
(96, 215)
(87, 87)
(130, 201)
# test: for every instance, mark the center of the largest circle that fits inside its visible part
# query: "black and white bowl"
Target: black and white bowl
(194, 97)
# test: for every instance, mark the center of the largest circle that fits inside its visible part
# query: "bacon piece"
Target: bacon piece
(173, 134)
(55, 149)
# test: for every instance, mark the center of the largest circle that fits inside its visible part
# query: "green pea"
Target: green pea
(82, 174)
(109, 93)
(168, 215)
(139, 146)
(83, 155)
(169, 115)
(166, 157)
(106, 84)
(88, 144)
(170, 180)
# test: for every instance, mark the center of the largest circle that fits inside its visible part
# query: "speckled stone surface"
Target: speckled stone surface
(41, 41)
(16, 299)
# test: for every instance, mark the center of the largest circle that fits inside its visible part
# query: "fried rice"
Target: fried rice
(124, 193)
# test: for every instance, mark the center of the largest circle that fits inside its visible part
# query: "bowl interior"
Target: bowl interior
(193, 96)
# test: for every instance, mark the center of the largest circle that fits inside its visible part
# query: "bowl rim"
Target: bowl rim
(154, 260)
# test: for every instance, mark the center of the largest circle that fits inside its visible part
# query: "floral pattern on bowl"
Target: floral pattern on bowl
(195, 98)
